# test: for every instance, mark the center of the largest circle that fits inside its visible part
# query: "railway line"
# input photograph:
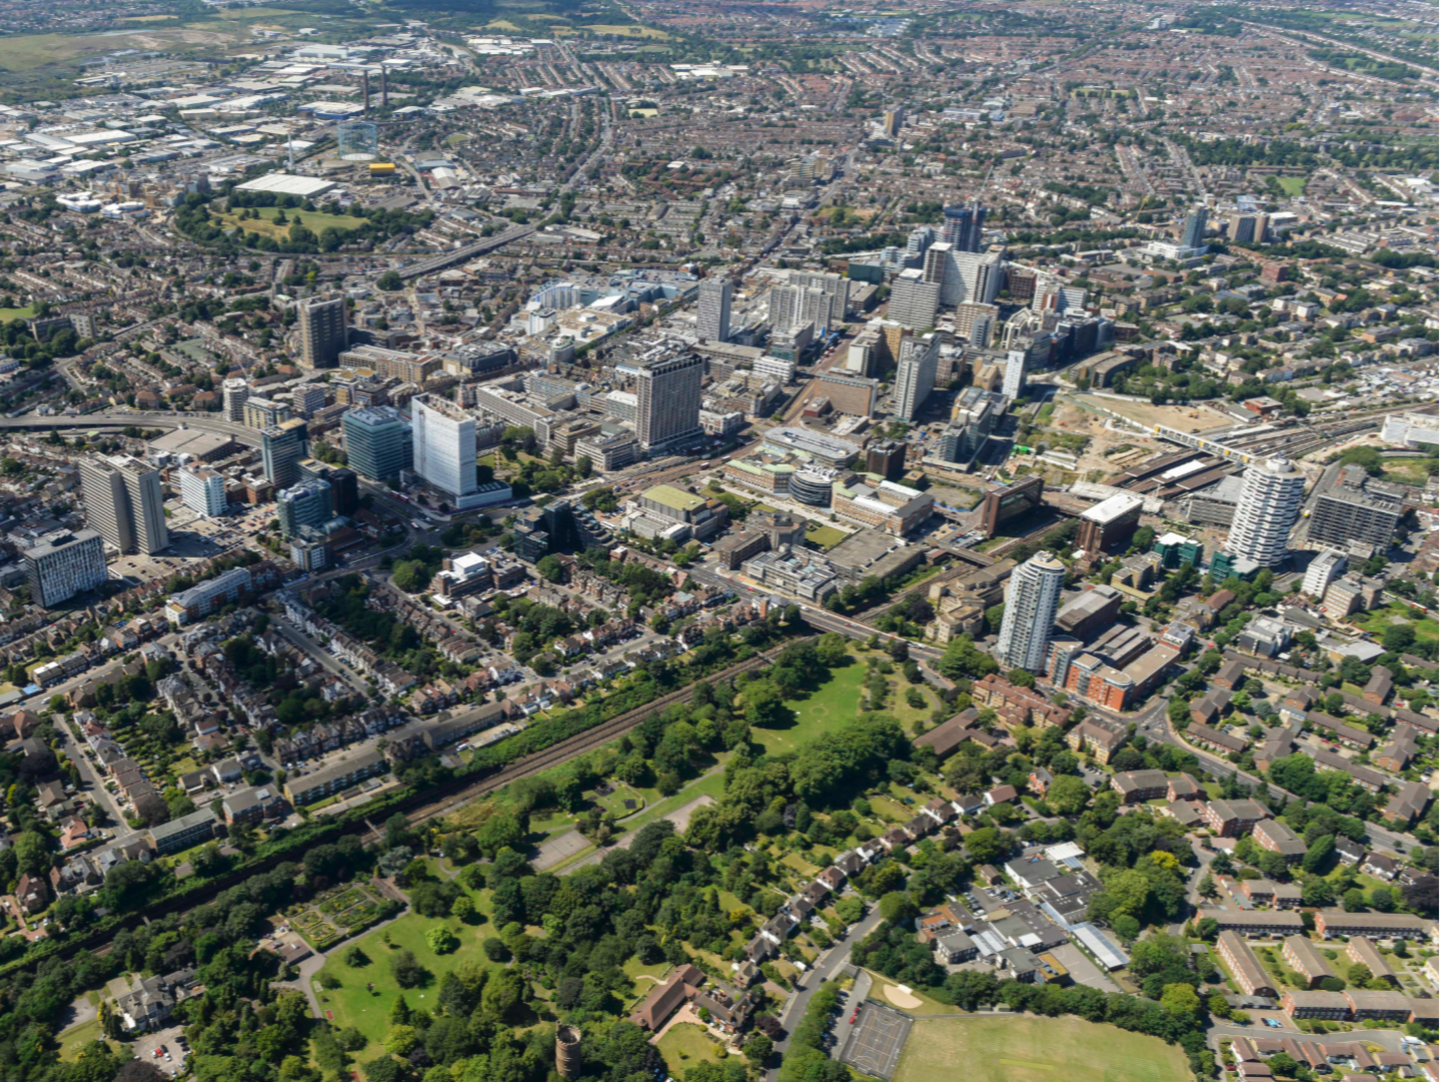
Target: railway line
(569, 748)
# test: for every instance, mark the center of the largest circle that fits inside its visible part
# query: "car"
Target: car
(853, 1017)
(1272, 1023)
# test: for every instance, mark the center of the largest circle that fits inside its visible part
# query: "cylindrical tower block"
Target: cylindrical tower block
(567, 1051)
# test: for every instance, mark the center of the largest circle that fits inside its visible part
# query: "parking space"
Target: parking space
(1082, 970)
(876, 1040)
(162, 1048)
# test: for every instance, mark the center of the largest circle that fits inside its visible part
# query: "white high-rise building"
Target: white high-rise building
(1268, 507)
(667, 398)
(713, 321)
(124, 502)
(203, 490)
(444, 437)
(792, 307)
(836, 288)
(64, 564)
(915, 375)
(236, 391)
(1014, 374)
(1030, 606)
(941, 271)
(913, 301)
(1324, 569)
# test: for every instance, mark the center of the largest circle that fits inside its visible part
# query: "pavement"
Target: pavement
(828, 965)
(1388, 1039)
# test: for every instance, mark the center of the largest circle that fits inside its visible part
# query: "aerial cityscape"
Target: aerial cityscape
(630, 541)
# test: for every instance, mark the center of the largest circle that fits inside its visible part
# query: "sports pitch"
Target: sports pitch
(1032, 1048)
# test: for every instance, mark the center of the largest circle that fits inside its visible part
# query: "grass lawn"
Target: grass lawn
(1377, 621)
(1028, 1048)
(684, 1044)
(1292, 186)
(76, 1039)
(8, 315)
(314, 220)
(712, 784)
(369, 1012)
(927, 1004)
(827, 537)
(829, 705)
(1407, 471)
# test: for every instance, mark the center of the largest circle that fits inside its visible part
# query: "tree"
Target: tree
(1318, 856)
(407, 970)
(1180, 1001)
(551, 568)
(897, 907)
(356, 958)
(463, 909)
(1068, 795)
(758, 1049)
(441, 940)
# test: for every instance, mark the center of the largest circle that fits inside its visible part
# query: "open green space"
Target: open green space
(354, 1003)
(827, 706)
(684, 1045)
(1292, 186)
(1376, 621)
(1029, 1048)
(78, 1038)
(317, 221)
(9, 315)
(826, 537)
(1407, 471)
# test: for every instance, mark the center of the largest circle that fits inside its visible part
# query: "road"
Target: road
(815, 616)
(1154, 724)
(826, 967)
(303, 641)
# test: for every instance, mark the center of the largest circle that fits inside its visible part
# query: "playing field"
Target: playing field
(1030, 1048)
(314, 220)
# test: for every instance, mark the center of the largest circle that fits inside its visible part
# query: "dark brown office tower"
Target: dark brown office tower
(887, 459)
(384, 89)
(365, 101)
(1002, 504)
(568, 1061)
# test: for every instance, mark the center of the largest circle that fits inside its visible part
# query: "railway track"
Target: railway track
(568, 749)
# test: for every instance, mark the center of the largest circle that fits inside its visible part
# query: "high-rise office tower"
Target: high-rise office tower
(1030, 606)
(915, 375)
(965, 226)
(913, 301)
(1194, 235)
(124, 502)
(1268, 507)
(444, 445)
(308, 398)
(1014, 383)
(941, 270)
(344, 491)
(919, 241)
(981, 274)
(894, 121)
(235, 391)
(1241, 228)
(306, 504)
(378, 442)
(282, 447)
(323, 333)
(667, 398)
(64, 564)
(203, 490)
(713, 322)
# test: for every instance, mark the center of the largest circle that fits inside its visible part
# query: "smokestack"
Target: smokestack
(365, 109)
